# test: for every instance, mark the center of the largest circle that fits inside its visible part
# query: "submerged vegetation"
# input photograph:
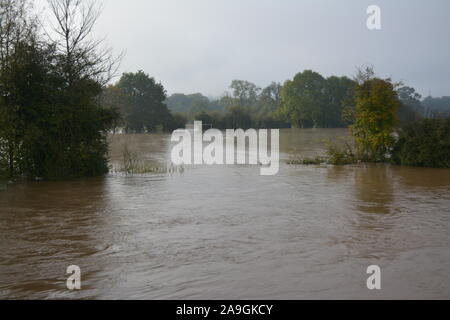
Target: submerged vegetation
(129, 159)
(425, 143)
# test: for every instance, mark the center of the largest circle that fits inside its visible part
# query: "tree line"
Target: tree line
(247, 106)
(144, 106)
(309, 100)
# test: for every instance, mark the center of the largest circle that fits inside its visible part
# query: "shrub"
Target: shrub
(341, 155)
(425, 143)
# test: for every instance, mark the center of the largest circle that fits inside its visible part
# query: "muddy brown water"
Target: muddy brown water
(219, 232)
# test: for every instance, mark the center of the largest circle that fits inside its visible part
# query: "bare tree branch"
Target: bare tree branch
(72, 23)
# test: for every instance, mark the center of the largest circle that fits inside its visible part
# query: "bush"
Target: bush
(425, 143)
(341, 155)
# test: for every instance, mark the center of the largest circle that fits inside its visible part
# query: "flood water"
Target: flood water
(220, 232)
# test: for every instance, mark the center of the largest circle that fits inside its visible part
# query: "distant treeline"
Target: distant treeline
(246, 106)
(308, 100)
(144, 106)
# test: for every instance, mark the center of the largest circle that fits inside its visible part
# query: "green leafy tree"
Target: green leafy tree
(245, 93)
(144, 109)
(339, 97)
(270, 98)
(17, 27)
(310, 100)
(303, 99)
(424, 143)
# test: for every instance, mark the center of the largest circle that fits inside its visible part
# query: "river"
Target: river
(220, 232)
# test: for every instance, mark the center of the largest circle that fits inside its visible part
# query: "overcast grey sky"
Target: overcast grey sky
(201, 45)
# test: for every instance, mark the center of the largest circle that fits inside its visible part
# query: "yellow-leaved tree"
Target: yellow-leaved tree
(376, 108)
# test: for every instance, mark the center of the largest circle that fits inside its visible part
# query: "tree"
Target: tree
(179, 102)
(205, 118)
(270, 98)
(112, 98)
(17, 28)
(238, 118)
(23, 86)
(17, 24)
(144, 110)
(376, 108)
(227, 101)
(303, 99)
(82, 57)
(192, 104)
(178, 121)
(411, 107)
(339, 97)
(84, 67)
(245, 93)
(49, 96)
(198, 103)
(265, 113)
